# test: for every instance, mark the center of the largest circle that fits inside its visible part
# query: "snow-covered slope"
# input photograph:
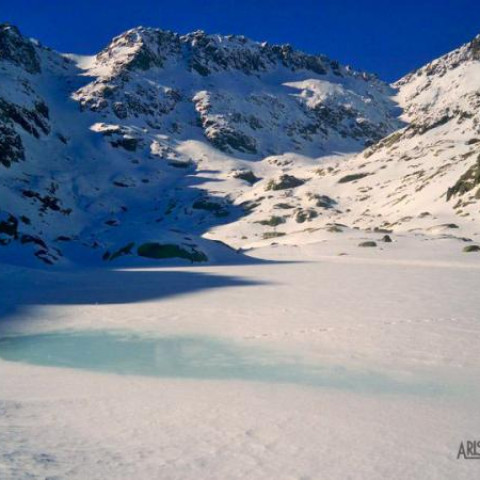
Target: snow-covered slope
(423, 178)
(246, 96)
(124, 149)
(164, 142)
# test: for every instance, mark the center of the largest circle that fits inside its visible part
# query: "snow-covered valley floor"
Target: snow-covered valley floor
(302, 365)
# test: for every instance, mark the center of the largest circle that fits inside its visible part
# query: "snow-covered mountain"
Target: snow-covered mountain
(424, 177)
(164, 142)
(247, 97)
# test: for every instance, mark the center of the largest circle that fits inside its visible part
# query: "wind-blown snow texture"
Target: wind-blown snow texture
(162, 139)
(216, 386)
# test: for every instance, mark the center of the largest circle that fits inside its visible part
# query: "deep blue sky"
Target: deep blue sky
(382, 36)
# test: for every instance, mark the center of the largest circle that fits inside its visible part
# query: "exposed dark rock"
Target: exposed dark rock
(268, 235)
(475, 48)
(48, 202)
(17, 49)
(284, 206)
(178, 164)
(246, 175)
(128, 143)
(367, 244)
(11, 146)
(322, 201)
(8, 225)
(42, 108)
(33, 239)
(467, 182)
(112, 223)
(120, 184)
(217, 209)
(126, 250)
(120, 110)
(284, 182)
(31, 121)
(226, 139)
(250, 205)
(353, 177)
(164, 251)
(305, 215)
(273, 221)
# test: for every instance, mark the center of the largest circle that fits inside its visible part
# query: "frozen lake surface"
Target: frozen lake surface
(324, 366)
(192, 358)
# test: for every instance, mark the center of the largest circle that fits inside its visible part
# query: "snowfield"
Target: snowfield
(222, 259)
(300, 365)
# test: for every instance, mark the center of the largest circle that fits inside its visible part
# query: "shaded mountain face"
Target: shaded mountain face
(162, 142)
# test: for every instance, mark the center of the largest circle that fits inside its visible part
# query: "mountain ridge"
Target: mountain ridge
(168, 139)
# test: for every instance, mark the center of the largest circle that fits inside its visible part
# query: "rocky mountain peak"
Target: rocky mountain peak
(474, 48)
(469, 52)
(157, 76)
(142, 48)
(139, 49)
(18, 50)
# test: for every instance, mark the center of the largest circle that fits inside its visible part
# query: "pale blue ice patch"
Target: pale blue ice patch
(193, 357)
